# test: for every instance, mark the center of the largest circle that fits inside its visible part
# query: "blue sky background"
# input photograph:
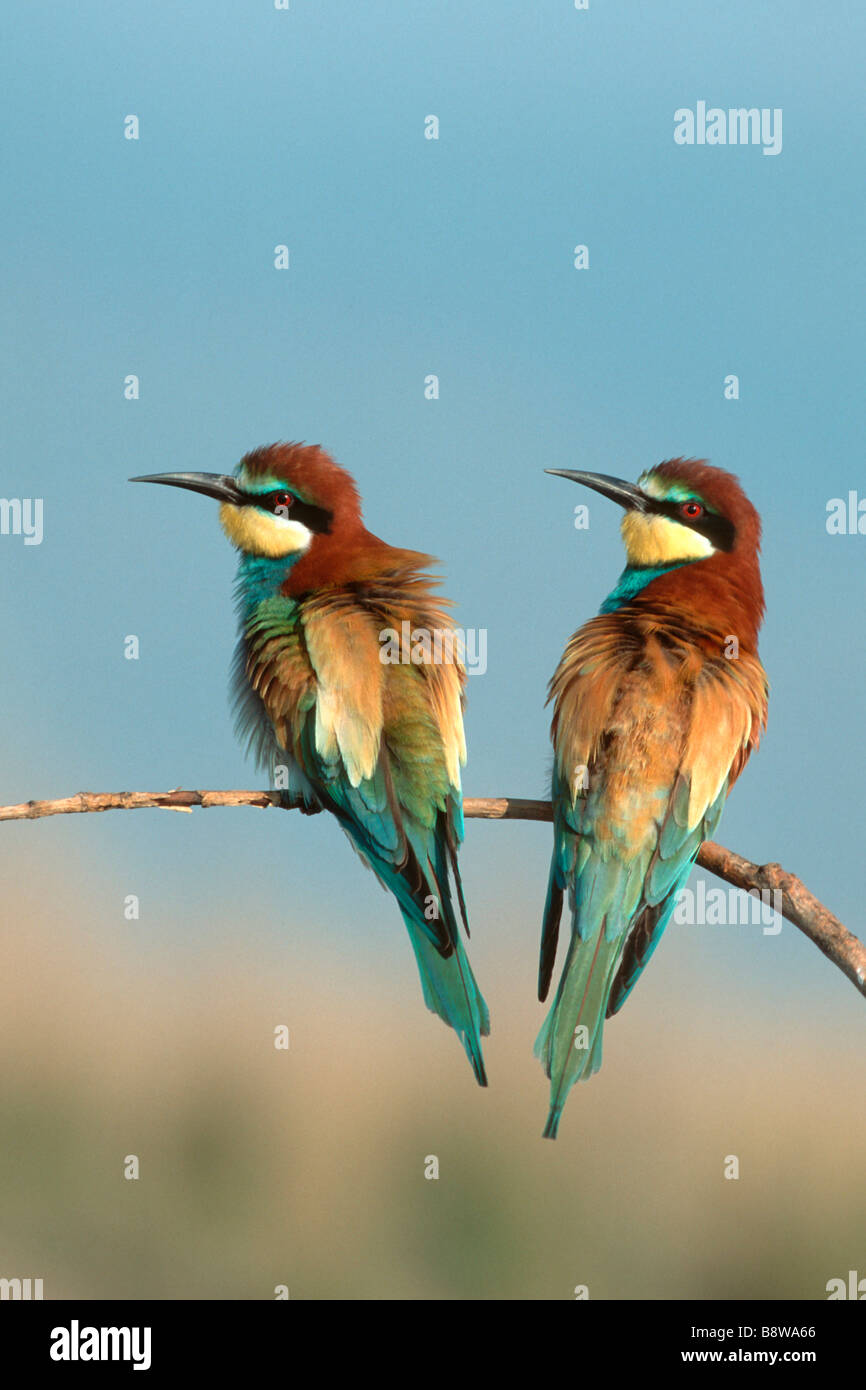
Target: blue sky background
(411, 257)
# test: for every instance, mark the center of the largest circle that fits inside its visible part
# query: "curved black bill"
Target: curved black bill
(218, 485)
(628, 495)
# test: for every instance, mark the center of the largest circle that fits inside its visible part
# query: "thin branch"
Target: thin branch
(799, 905)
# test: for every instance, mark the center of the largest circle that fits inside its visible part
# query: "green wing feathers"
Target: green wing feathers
(381, 744)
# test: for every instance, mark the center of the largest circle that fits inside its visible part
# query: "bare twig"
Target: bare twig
(799, 905)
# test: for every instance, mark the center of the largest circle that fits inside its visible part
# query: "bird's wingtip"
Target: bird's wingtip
(551, 1129)
(479, 1070)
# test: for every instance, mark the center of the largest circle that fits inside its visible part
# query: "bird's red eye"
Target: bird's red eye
(280, 501)
(692, 510)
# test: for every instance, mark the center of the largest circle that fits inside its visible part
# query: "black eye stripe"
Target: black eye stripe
(316, 519)
(720, 532)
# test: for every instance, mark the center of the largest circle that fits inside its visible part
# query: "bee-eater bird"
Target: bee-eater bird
(657, 704)
(376, 742)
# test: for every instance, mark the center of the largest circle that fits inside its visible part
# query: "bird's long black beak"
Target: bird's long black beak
(628, 495)
(218, 485)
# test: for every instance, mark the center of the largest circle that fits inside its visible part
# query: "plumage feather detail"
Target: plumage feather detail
(651, 726)
(380, 745)
(343, 650)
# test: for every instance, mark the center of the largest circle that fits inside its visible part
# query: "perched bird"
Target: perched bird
(657, 704)
(369, 727)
